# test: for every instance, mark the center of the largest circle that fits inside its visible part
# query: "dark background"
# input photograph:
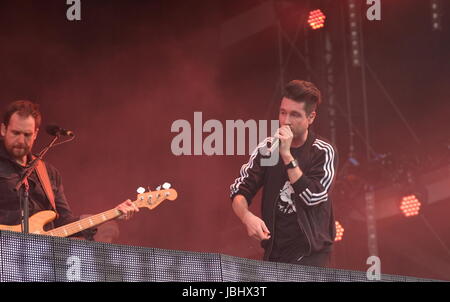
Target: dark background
(123, 74)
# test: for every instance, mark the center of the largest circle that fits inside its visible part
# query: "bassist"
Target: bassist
(19, 129)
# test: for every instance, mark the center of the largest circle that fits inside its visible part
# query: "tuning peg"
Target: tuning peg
(158, 188)
(166, 186)
(140, 190)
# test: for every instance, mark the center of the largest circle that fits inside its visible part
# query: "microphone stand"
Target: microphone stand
(23, 183)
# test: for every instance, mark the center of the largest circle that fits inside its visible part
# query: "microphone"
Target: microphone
(275, 144)
(56, 131)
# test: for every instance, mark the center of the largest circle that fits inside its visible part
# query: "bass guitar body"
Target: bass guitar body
(36, 223)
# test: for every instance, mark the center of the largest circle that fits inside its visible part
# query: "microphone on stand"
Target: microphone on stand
(58, 131)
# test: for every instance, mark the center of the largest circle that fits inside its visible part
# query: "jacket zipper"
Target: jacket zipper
(303, 231)
(273, 228)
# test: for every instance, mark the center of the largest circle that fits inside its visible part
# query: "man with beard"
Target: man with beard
(19, 129)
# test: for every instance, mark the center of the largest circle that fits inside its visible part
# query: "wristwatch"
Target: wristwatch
(292, 164)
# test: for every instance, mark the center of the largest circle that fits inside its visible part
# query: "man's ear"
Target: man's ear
(36, 133)
(3, 129)
(311, 117)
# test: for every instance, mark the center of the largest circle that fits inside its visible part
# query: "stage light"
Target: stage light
(436, 14)
(339, 231)
(354, 33)
(410, 205)
(316, 19)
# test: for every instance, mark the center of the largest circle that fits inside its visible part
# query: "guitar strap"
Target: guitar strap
(41, 171)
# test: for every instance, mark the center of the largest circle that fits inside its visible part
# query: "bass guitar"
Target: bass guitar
(149, 200)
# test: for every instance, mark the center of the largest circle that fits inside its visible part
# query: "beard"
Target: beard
(19, 151)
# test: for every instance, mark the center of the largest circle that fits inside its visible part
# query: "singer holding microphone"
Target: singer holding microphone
(297, 224)
(19, 129)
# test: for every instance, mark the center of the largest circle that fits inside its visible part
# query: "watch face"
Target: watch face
(292, 164)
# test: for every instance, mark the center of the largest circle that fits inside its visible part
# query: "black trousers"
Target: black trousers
(321, 259)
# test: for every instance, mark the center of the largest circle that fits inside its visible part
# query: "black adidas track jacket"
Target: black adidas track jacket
(318, 161)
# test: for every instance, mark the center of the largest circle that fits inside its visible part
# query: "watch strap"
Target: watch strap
(292, 164)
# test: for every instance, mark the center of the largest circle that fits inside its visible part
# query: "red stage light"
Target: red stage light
(339, 231)
(410, 205)
(316, 19)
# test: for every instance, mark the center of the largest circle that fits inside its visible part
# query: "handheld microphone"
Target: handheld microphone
(275, 144)
(56, 131)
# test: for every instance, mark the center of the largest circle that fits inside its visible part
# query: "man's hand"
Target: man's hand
(286, 136)
(256, 227)
(128, 208)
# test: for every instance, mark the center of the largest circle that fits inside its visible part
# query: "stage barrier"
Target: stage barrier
(37, 258)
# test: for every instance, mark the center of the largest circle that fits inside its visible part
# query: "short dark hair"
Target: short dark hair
(303, 91)
(25, 109)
